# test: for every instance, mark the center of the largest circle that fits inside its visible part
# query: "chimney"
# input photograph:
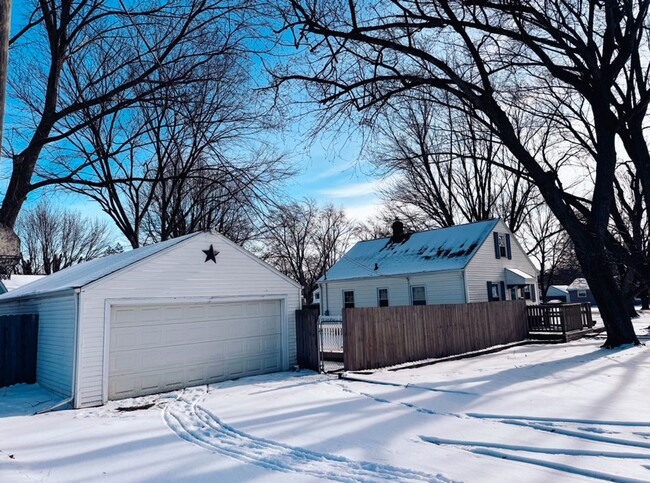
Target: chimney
(398, 231)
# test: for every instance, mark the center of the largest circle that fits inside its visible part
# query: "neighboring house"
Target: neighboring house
(579, 292)
(17, 281)
(557, 292)
(188, 311)
(477, 262)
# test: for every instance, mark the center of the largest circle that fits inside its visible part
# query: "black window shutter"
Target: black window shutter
(503, 291)
(508, 251)
(496, 245)
(533, 297)
(489, 286)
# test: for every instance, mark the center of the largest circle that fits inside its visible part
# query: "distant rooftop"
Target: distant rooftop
(426, 251)
(17, 281)
(579, 284)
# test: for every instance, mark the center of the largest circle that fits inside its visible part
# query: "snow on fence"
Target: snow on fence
(384, 336)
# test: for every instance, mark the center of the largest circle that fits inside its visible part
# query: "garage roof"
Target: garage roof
(84, 273)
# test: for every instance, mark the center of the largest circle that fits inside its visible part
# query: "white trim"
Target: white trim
(394, 275)
(109, 303)
(76, 348)
(465, 288)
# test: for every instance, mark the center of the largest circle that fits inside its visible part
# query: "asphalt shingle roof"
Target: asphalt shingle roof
(427, 251)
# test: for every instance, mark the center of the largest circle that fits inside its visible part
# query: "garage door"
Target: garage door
(162, 348)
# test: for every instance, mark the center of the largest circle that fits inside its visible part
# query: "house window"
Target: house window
(582, 294)
(493, 292)
(513, 293)
(502, 245)
(348, 299)
(418, 296)
(527, 293)
(382, 297)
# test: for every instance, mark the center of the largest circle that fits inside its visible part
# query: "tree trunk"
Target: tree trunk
(645, 300)
(600, 276)
(631, 311)
(5, 27)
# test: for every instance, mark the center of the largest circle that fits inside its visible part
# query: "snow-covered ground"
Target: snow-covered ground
(536, 413)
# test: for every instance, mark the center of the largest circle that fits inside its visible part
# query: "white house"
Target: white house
(476, 262)
(192, 310)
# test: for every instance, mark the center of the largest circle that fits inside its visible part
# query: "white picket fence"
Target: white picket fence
(331, 333)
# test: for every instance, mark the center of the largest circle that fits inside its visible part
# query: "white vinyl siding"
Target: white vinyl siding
(440, 287)
(179, 274)
(485, 267)
(56, 334)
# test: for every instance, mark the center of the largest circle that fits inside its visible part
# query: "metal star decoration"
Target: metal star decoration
(210, 254)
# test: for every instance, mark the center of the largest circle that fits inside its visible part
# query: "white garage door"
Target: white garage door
(161, 348)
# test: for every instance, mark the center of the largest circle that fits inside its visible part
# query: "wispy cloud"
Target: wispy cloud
(356, 190)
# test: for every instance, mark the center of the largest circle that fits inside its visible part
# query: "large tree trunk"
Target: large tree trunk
(17, 190)
(645, 300)
(600, 276)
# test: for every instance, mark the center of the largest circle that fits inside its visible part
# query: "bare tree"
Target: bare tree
(576, 72)
(447, 167)
(546, 242)
(55, 238)
(188, 161)
(78, 62)
(303, 241)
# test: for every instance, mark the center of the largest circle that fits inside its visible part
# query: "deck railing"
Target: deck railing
(561, 318)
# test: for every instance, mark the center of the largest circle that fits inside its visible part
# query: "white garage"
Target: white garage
(194, 310)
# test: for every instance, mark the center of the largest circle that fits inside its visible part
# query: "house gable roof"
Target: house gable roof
(85, 273)
(579, 284)
(427, 251)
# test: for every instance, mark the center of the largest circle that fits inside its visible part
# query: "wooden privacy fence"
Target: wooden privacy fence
(18, 345)
(307, 338)
(384, 336)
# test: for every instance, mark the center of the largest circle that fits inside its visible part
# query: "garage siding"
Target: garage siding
(180, 269)
(56, 327)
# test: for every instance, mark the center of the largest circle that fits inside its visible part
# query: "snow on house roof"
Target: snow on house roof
(17, 281)
(579, 284)
(426, 251)
(88, 272)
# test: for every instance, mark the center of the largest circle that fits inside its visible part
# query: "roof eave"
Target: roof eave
(395, 275)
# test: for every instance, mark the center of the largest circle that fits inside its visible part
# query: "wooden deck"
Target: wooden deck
(559, 322)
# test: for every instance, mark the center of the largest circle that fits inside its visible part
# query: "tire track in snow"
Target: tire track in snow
(590, 430)
(197, 425)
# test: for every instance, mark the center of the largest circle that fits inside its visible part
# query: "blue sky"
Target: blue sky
(330, 168)
(333, 171)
